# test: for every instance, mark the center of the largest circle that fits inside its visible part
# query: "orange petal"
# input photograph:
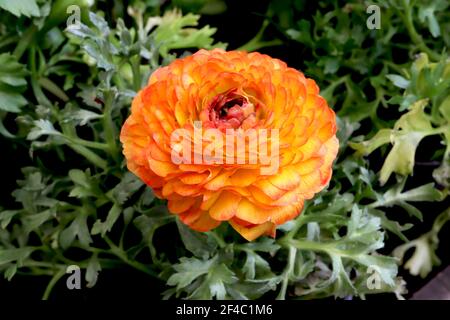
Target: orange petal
(286, 213)
(179, 206)
(194, 178)
(251, 233)
(162, 168)
(209, 197)
(286, 179)
(269, 189)
(309, 165)
(248, 211)
(244, 177)
(225, 206)
(311, 147)
(190, 216)
(204, 222)
(219, 181)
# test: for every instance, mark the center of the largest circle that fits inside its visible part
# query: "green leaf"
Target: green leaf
(85, 184)
(398, 81)
(77, 229)
(188, 270)
(95, 42)
(396, 196)
(27, 8)
(12, 83)
(427, 15)
(409, 130)
(153, 219)
(390, 225)
(6, 216)
(106, 226)
(175, 31)
(129, 185)
(100, 23)
(423, 258)
(214, 286)
(80, 116)
(33, 222)
(255, 266)
(100, 52)
(201, 245)
(92, 270)
(42, 128)
(367, 147)
(17, 255)
(10, 272)
(444, 108)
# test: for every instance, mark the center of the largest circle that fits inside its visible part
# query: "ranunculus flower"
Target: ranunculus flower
(226, 95)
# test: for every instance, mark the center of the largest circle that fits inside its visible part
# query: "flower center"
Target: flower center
(232, 110)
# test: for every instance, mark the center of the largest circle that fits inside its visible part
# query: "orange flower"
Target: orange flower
(232, 93)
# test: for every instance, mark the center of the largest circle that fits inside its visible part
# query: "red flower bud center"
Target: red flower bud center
(232, 110)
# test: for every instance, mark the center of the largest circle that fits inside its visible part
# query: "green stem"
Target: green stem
(80, 147)
(89, 155)
(9, 40)
(298, 223)
(135, 67)
(87, 143)
(108, 124)
(3, 131)
(123, 256)
(327, 93)
(25, 41)
(53, 88)
(218, 238)
(37, 91)
(287, 273)
(309, 245)
(256, 43)
(52, 283)
(415, 37)
(440, 221)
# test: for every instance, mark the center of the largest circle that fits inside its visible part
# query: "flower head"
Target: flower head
(231, 136)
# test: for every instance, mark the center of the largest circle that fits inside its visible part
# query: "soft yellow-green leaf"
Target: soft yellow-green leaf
(367, 147)
(444, 108)
(409, 130)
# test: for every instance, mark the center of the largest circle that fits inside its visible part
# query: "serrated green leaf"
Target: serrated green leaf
(367, 147)
(106, 226)
(92, 270)
(175, 31)
(12, 83)
(423, 258)
(33, 222)
(6, 216)
(126, 188)
(17, 255)
(42, 128)
(78, 229)
(187, 270)
(201, 245)
(10, 272)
